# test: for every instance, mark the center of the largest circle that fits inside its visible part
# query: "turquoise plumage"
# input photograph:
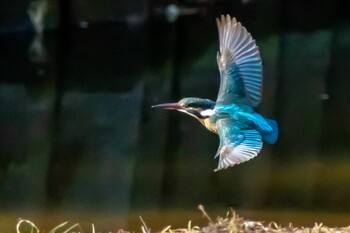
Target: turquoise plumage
(241, 130)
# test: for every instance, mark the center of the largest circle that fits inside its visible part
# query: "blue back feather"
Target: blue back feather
(271, 137)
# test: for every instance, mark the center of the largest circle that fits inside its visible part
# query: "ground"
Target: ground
(230, 223)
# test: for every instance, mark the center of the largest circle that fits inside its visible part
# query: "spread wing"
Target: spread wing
(236, 145)
(239, 64)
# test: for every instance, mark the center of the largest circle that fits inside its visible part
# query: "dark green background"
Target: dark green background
(77, 131)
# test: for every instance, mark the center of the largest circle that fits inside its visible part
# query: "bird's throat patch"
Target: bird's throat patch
(208, 112)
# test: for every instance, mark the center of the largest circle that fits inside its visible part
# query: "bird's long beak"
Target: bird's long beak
(169, 106)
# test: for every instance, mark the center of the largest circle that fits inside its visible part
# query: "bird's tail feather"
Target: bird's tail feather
(271, 137)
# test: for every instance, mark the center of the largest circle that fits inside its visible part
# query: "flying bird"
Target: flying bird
(241, 130)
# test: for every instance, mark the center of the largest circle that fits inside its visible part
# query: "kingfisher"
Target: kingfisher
(241, 130)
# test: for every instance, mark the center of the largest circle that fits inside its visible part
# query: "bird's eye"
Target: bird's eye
(182, 104)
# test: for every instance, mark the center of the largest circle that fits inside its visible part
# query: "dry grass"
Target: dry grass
(230, 223)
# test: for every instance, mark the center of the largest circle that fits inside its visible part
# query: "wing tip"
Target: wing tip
(218, 22)
(224, 164)
(222, 20)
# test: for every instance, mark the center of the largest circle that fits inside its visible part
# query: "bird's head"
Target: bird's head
(195, 107)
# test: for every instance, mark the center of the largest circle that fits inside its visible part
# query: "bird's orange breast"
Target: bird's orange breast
(210, 125)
